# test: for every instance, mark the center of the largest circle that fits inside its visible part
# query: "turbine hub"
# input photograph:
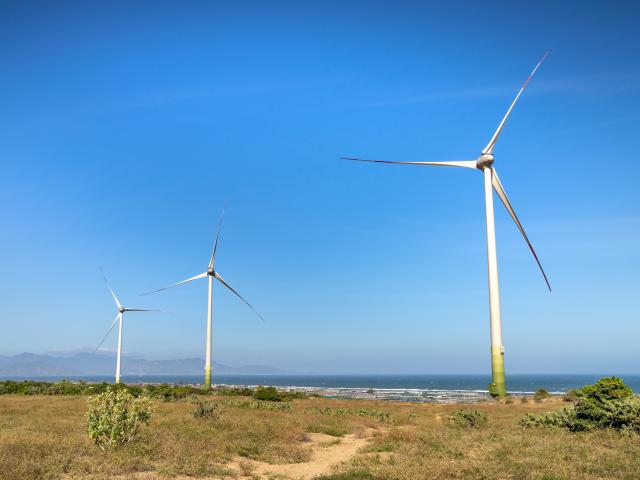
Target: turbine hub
(485, 160)
(121, 309)
(211, 272)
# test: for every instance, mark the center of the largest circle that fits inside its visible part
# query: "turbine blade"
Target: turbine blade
(215, 245)
(108, 331)
(494, 139)
(221, 280)
(140, 310)
(497, 185)
(196, 277)
(452, 163)
(115, 299)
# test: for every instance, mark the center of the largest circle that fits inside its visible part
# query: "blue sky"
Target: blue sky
(125, 128)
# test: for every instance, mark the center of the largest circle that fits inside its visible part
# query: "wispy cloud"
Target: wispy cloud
(597, 84)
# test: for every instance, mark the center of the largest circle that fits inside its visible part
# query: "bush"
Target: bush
(608, 403)
(468, 418)
(207, 409)
(169, 392)
(540, 395)
(571, 396)
(235, 392)
(605, 389)
(293, 395)
(269, 394)
(115, 417)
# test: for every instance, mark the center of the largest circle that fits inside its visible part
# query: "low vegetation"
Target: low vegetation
(541, 395)
(115, 417)
(469, 418)
(608, 403)
(45, 436)
(258, 405)
(271, 394)
(380, 415)
(65, 387)
(161, 391)
(207, 409)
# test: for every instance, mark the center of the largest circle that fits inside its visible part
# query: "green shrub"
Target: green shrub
(468, 418)
(269, 394)
(115, 417)
(235, 392)
(608, 403)
(170, 392)
(608, 388)
(293, 395)
(570, 396)
(540, 395)
(207, 409)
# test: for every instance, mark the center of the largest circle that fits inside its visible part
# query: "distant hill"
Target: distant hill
(86, 363)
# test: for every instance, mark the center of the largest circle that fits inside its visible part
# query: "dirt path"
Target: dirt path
(327, 451)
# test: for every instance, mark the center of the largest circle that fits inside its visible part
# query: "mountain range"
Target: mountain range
(103, 363)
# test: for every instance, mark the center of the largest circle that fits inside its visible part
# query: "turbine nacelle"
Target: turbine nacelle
(484, 161)
(122, 309)
(211, 272)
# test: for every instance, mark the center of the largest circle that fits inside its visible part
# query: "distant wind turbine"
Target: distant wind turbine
(119, 319)
(485, 163)
(211, 273)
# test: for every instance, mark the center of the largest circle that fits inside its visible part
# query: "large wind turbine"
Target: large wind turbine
(119, 319)
(484, 163)
(211, 273)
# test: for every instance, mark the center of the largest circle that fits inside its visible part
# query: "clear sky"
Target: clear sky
(124, 128)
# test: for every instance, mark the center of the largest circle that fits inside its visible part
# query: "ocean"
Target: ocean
(417, 388)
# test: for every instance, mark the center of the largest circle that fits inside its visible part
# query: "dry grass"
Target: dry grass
(45, 437)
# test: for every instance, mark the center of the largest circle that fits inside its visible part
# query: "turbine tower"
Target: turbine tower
(492, 182)
(211, 273)
(119, 320)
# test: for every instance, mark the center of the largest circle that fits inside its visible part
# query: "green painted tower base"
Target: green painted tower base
(207, 378)
(498, 386)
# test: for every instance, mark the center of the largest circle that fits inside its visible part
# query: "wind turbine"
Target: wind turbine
(484, 163)
(211, 273)
(119, 320)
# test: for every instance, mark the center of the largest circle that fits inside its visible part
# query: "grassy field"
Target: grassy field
(46, 437)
